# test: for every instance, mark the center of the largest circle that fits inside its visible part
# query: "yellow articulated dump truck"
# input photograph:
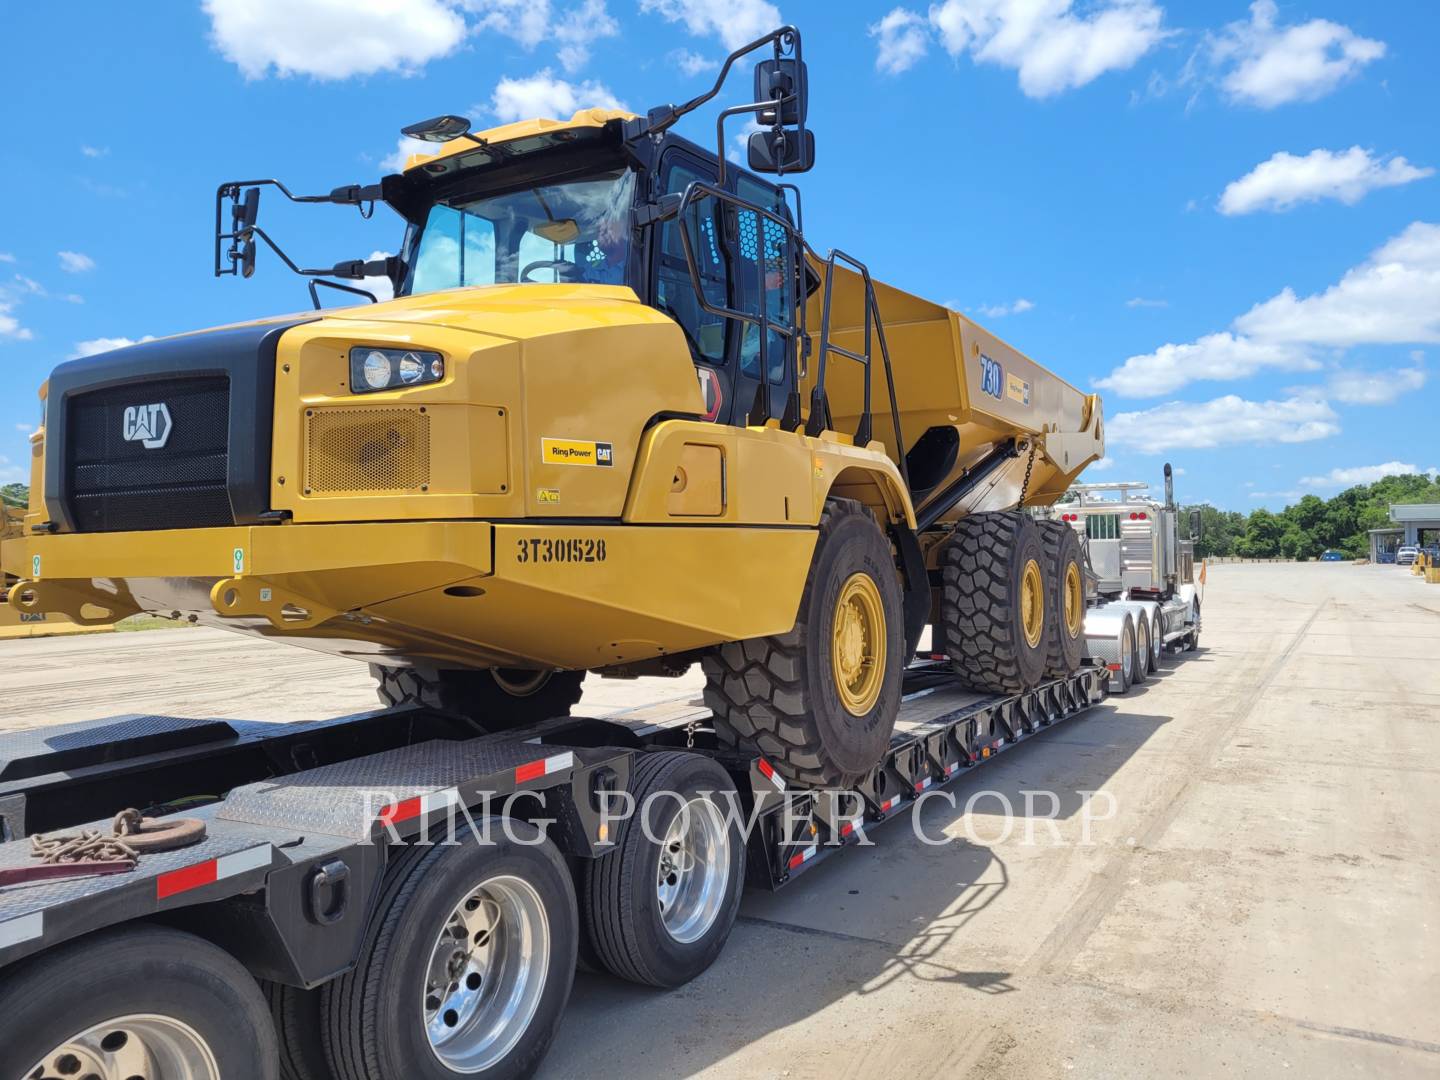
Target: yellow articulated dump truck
(618, 417)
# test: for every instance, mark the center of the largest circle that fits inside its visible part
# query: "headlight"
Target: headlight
(384, 369)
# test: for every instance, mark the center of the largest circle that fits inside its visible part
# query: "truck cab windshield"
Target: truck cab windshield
(574, 230)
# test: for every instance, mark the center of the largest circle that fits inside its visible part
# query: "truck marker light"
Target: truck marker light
(802, 856)
(544, 767)
(22, 928)
(985, 751)
(770, 774)
(211, 870)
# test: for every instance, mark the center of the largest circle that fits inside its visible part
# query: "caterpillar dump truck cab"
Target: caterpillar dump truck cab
(617, 416)
(1141, 557)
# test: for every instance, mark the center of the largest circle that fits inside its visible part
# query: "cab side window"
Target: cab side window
(674, 291)
(770, 286)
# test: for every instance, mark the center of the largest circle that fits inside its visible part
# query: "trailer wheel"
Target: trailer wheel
(1065, 636)
(1142, 648)
(994, 601)
(660, 908)
(1157, 641)
(1123, 678)
(299, 1028)
(820, 700)
(466, 966)
(494, 698)
(138, 1001)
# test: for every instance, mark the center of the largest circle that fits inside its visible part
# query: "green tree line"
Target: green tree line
(1313, 525)
(15, 495)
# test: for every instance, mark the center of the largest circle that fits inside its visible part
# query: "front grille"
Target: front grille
(353, 450)
(115, 484)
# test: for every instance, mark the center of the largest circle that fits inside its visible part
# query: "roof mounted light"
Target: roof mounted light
(439, 129)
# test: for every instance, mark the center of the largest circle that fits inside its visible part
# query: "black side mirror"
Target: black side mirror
(776, 79)
(247, 259)
(782, 151)
(245, 211)
(1197, 525)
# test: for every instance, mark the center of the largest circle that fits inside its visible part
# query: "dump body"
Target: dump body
(960, 391)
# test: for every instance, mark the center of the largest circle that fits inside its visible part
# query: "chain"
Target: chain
(88, 846)
(690, 730)
(1025, 485)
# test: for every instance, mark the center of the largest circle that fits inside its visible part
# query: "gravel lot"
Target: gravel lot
(1266, 897)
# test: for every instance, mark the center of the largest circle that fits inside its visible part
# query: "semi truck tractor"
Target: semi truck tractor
(1143, 599)
(619, 417)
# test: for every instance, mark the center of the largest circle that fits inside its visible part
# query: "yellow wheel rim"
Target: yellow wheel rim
(1032, 603)
(857, 644)
(1074, 600)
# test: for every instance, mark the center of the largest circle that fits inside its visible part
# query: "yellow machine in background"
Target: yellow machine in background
(620, 417)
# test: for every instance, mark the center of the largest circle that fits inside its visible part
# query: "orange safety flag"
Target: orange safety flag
(1202, 573)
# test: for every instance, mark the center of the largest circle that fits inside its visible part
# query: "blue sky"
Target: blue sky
(1224, 216)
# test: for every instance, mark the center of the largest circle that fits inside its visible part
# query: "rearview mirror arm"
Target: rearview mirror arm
(665, 116)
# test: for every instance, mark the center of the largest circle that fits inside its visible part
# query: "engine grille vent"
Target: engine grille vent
(353, 451)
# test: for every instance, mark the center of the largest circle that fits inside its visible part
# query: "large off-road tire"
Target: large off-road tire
(660, 907)
(993, 605)
(1065, 588)
(493, 698)
(75, 1010)
(820, 700)
(466, 966)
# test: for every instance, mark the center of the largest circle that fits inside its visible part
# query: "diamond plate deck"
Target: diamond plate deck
(344, 799)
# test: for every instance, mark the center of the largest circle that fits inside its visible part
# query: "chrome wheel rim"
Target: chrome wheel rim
(693, 871)
(1127, 654)
(486, 973)
(142, 1046)
(1144, 647)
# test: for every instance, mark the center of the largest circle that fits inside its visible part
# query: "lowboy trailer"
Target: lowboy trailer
(309, 935)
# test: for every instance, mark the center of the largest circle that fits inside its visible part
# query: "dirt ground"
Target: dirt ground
(1264, 900)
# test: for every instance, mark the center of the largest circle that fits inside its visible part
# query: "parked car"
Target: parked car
(1331, 556)
(1406, 555)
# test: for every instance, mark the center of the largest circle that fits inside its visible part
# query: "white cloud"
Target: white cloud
(1355, 387)
(73, 262)
(1388, 299)
(104, 344)
(24, 429)
(1213, 357)
(1285, 181)
(734, 22)
(94, 151)
(544, 95)
(1053, 48)
(739, 151)
(1224, 421)
(1178, 470)
(332, 39)
(9, 325)
(1391, 298)
(9, 473)
(30, 285)
(1269, 65)
(6, 257)
(1101, 465)
(531, 22)
(904, 39)
(999, 311)
(1288, 496)
(1141, 302)
(1359, 474)
(692, 63)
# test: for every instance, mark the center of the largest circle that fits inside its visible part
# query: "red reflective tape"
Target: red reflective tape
(847, 828)
(532, 771)
(401, 811)
(1113, 667)
(767, 768)
(185, 879)
(796, 860)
